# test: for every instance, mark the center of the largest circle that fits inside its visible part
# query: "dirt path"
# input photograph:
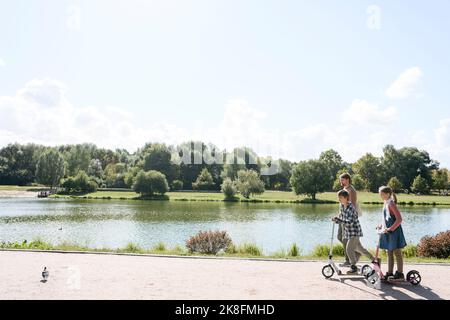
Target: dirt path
(92, 276)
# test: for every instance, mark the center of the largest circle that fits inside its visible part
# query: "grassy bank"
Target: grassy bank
(247, 250)
(22, 188)
(269, 196)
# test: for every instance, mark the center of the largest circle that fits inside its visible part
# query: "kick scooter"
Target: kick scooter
(331, 268)
(374, 275)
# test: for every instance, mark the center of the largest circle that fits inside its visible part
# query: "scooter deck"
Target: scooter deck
(396, 281)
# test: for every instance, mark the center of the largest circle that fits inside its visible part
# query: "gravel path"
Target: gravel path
(104, 276)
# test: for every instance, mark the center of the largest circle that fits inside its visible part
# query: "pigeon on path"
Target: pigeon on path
(45, 275)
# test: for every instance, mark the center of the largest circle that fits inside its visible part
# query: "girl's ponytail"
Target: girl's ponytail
(394, 197)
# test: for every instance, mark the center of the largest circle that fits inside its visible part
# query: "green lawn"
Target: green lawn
(273, 196)
(268, 196)
(21, 188)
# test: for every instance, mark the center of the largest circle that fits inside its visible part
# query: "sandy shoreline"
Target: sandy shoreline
(103, 276)
(17, 194)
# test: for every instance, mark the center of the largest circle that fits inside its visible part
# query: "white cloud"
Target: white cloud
(436, 142)
(241, 124)
(2, 63)
(44, 92)
(362, 112)
(41, 113)
(442, 134)
(406, 84)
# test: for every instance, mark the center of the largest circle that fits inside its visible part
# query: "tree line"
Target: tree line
(152, 169)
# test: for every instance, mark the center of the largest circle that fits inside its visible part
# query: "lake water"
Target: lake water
(113, 224)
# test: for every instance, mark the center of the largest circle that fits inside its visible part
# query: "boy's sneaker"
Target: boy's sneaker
(353, 271)
(346, 264)
(399, 276)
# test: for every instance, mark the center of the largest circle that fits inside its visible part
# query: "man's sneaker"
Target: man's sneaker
(388, 275)
(399, 276)
(353, 271)
(346, 264)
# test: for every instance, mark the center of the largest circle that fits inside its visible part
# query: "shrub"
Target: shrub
(204, 181)
(410, 251)
(321, 251)
(160, 247)
(294, 251)
(80, 183)
(229, 189)
(420, 185)
(395, 184)
(249, 183)
(131, 248)
(249, 249)
(209, 242)
(435, 247)
(232, 249)
(151, 182)
(177, 185)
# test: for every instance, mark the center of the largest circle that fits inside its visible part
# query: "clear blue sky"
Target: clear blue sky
(301, 63)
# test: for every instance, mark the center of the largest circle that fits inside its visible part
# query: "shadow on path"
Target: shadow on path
(389, 290)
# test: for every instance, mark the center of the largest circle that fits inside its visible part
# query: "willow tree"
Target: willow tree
(50, 168)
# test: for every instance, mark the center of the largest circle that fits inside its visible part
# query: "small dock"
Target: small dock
(44, 194)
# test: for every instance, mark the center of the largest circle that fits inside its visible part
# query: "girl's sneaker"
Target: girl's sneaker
(399, 276)
(388, 275)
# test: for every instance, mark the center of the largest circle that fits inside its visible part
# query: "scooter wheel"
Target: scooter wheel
(328, 271)
(414, 277)
(366, 270)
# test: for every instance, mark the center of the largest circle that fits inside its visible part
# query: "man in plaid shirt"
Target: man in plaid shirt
(352, 231)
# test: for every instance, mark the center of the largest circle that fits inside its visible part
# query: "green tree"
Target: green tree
(194, 157)
(130, 176)
(279, 180)
(310, 178)
(78, 157)
(150, 183)
(370, 170)
(115, 174)
(240, 159)
(406, 163)
(420, 185)
(204, 181)
(95, 168)
(158, 157)
(333, 162)
(228, 188)
(440, 179)
(358, 182)
(80, 183)
(249, 183)
(18, 163)
(395, 184)
(50, 168)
